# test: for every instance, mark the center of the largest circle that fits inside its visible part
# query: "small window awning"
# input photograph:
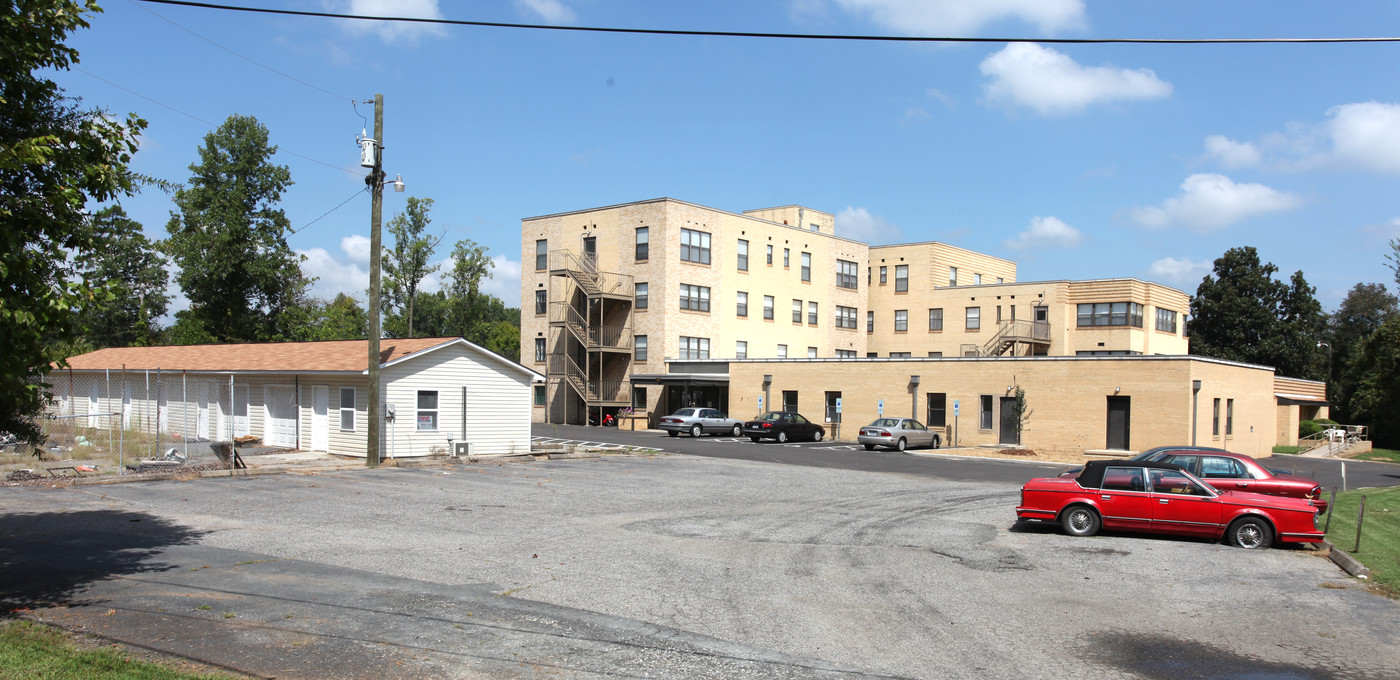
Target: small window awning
(1286, 399)
(720, 379)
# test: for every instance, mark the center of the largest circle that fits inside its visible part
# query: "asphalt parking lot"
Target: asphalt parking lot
(665, 566)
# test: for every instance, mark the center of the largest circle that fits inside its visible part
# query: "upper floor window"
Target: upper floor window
(952, 276)
(541, 254)
(797, 311)
(695, 246)
(974, 318)
(786, 258)
(901, 278)
(901, 320)
(935, 319)
(695, 298)
(812, 313)
(694, 348)
(768, 307)
(870, 322)
(541, 303)
(643, 243)
(846, 317)
(743, 303)
(977, 279)
(639, 348)
(640, 291)
(845, 354)
(1110, 314)
(741, 349)
(743, 255)
(811, 352)
(884, 275)
(846, 274)
(770, 256)
(806, 266)
(539, 350)
(1166, 320)
(782, 351)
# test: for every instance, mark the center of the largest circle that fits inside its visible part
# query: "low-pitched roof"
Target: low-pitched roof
(331, 356)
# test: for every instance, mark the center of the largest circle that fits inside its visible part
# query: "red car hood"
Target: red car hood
(1259, 499)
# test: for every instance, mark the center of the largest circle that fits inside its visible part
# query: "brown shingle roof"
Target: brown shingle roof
(334, 355)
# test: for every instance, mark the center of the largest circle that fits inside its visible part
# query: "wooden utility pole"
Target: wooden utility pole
(376, 248)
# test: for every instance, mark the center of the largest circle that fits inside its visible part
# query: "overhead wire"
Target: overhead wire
(338, 207)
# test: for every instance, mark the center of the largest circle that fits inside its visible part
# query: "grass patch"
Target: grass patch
(1290, 450)
(37, 652)
(1382, 455)
(1380, 533)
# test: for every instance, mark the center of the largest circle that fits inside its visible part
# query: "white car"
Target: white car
(697, 421)
(898, 434)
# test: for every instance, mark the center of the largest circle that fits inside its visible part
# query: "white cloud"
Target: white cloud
(963, 18)
(1230, 153)
(552, 11)
(335, 276)
(1045, 232)
(357, 248)
(391, 32)
(1050, 83)
(1179, 272)
(505, 280)
(1209, 202)
(858, 224)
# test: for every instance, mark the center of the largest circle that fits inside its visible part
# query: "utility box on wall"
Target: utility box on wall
(461, 449)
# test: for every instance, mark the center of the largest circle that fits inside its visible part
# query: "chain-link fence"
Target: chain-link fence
(142, 420)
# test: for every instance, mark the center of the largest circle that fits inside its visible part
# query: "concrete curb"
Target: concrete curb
(1347, 562)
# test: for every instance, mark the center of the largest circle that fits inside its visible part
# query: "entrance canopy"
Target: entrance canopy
(692, 379)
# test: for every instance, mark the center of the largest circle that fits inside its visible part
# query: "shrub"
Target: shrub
(1311, 427)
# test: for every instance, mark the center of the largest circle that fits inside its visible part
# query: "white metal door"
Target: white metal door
(240, 411)
(126, 407)
(280, 415)
(92, 405)
(320, 418)
(163, 411)
(202, 420)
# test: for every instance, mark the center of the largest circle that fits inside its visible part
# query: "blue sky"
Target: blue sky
(1076, 161)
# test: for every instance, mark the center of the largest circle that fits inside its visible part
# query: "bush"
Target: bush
(1310, 427)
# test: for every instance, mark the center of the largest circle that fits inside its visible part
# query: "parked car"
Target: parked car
(1229, 471)
(782, 426)
(698, 421)
(897, 433)
(1163, 498)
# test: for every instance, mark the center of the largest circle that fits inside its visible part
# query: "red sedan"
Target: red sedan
(1228, 471)
(1164, 498)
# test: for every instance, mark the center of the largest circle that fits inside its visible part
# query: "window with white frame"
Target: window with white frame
(977, 279)
(870, 322)
(901, 320)
(884, 275)
(811, 352)
(742, 303)
(695, 246)
(640, 290)
(901, 278)
(770, 256)
(952, 276)
(768, 307)
(541, 254)
(347, 409)
(643, 244)
(974, 318)
(782, 351)
(846, 274)
(427, 410)
(806, 266)
(695, 298)
(845, 354)
(846, 317)
(741, 349)
(786, 258)
(1110, 314)
(935, 319)
(797, 311)
(639, 348)
(694, 348)
(743, 255)
(812, 313)
(1166, 320)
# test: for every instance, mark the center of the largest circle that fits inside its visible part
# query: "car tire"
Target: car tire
(782, 437)
(937, 442)
(1250, 533)
(695, 431)
(736, 431)
(1080, 520)
(901, 444)
(753, 439)
(673, 433)
(869, 447)
(818, 436)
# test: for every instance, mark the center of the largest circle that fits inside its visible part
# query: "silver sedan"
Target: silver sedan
(897, 433)
(698, 421)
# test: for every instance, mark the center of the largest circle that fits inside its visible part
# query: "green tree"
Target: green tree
(1376, 400)
(55, 157)
(1366, 307)
(1021, 412)
(129, 268)
(406, 265)
(229, 238)
(1242, 313)
(343, 318)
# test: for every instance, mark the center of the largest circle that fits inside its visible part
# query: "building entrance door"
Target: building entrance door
(1119, 422)
(1008, 421)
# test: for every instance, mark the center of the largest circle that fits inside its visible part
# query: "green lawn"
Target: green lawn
(1286, 449)
(34, 652)
(1380, 533)
(1383, 455)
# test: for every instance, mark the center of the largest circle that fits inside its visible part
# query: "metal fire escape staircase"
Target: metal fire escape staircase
(599, 335)
(1011, 334)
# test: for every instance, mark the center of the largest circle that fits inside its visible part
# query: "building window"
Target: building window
(937, 410)
(768, 307)
(1000, 280)
(790, 400)
(643, 244)
(742, 308)
(639, 398)
(935, 355)
(976, 279)
(541, 302)
(695, 246)
(539, 395)
(974, 318)
(769, 255)
(901, 278)
(539, 350)
(782, 351)
(985, 412)
(845, 354)
(695, 298)
(1110, 314)
(427, 410)
(797, 311)
(952, 276)
(870, 322)
(1215, 419)
(347, 409)
(806, 267)
(1229, 417)
(1166, 320)
(641, 292)
(811, 352)
(743, 255)
(884, 275)
(872, 355)
(901, 320)
(695, 348)
(935, 319)
(832, 415)
(785, 258)
(812, 313)
(846, 273)
(741, 349)
(846, 317)
(541, 255)
(900, 355)
(639, 348)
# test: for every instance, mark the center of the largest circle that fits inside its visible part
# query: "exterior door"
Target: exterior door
(241, 428)
(202, 420)
(1008, 421)
(1119, 422)
(320, 418)
(590, 251)
(280, 421)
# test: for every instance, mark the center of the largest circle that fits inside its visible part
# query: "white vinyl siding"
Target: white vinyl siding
(497, 410)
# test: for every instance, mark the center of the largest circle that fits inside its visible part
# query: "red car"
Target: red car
(1228, 471)
(1163, 498)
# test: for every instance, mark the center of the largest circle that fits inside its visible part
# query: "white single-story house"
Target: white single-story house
(311, 396)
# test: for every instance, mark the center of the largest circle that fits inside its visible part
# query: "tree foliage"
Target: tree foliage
(1376, 400)
(1366, 307)
(1242, 313)
(229, 238)
(55, 157)
(406, 265)
(130, 273)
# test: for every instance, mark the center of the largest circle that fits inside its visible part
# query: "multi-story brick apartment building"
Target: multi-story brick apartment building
(651, 304)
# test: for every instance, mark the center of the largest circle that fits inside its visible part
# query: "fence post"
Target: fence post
(1331, 508)
(1360, 514)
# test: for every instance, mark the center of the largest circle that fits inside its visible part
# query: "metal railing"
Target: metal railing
(1011, 332)
(1335, 439)
(584, 269)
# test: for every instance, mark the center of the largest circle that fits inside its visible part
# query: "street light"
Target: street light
(1328, 381)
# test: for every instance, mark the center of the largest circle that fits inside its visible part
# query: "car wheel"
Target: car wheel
(900, 445)
(818, 436)
(736, 430)
(869, 447)
(695, 430)
(673, 433)
(782, 437)
(1250, 533)
(753, 439)
(1080, 520)
(937, 443)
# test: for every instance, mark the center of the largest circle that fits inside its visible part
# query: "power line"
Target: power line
(785, 36)
(338, 207)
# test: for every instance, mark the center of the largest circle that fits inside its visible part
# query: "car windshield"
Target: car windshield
(686, 412)
(886, 422)
(774, 416)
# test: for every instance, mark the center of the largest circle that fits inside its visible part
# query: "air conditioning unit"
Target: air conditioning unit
(462, 449)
